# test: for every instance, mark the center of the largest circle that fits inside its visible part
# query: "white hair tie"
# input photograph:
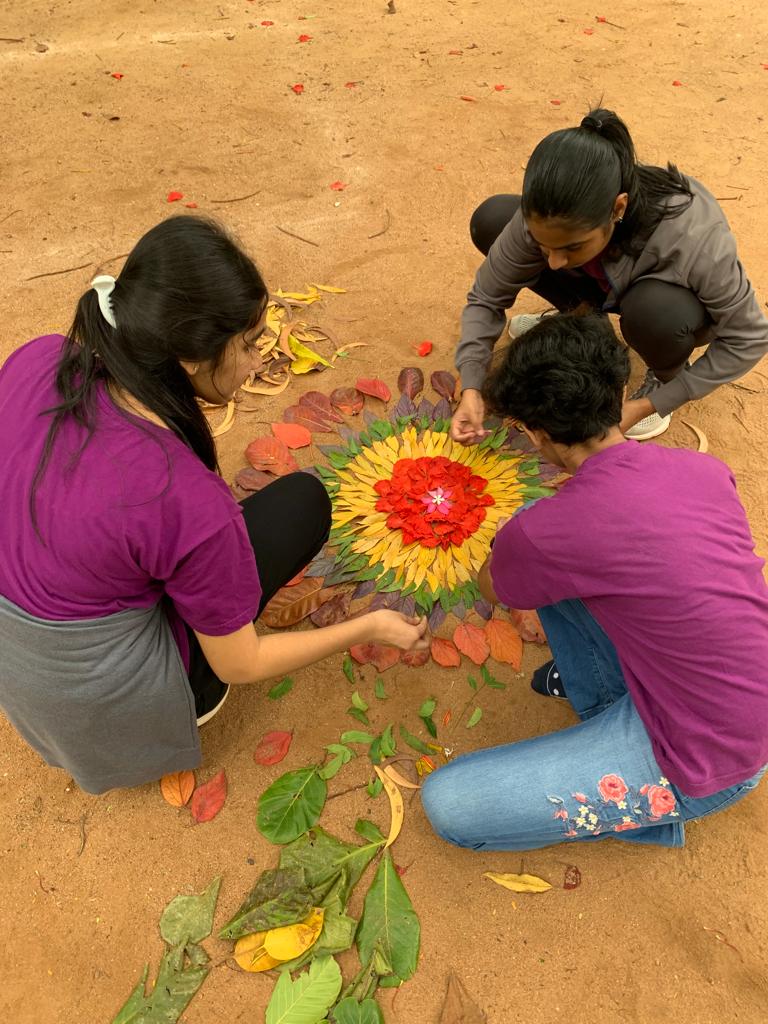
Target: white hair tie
(104, 285)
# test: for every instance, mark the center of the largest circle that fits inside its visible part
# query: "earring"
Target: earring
(619, 220)
(196, 368)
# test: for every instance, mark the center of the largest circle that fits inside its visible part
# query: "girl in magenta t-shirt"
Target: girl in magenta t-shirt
(129, 575)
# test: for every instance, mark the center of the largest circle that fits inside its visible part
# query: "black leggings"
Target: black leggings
(288, 522)
(662, 322)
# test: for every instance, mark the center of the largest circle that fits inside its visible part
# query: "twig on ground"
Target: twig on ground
(292, 234)
(237, 199)
(727, 199)
(9, 215)
(745, 387)
(387, 222)
(81, 823)
(349, 789)
(10, 39)
(55, 273)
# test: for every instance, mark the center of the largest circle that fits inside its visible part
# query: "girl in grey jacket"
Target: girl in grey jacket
(594, 229)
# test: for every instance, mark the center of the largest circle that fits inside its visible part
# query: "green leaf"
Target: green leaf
(491, 681)
(374, 787)
(172, 993)
(324, 859)
(472, 682)
(278, 898)
(388, 744)
(355, 736)
(427, 708)
(339, 748)
(390, 922)
(358, 715)
(197, 955)
(414, 742)
(291, 805)
(307, 999)
(474, 718)
(368, 830)
(378, 689)
(189, 919)
(134, 1002)
(281, 689)
(349, 1011)
(374, 751)
(370, 574)
(358, 702)
(348, 668)
(388, 577)
(333, 767)
(430, 727)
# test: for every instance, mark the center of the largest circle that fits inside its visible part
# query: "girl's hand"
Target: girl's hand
(467, 423)
(398, 630)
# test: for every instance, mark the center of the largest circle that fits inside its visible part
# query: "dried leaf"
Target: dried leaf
(459, 1007)
(396, 806)
(410, 381)
(208, 799)
(374, 387)
(177, 788)
(226, 423)
(332, 611)
(701, 436)
(280, 690)
(518, 883)
(444, 652)
(304, 416)
(471, 641)
(271, 455)
(250, 479)
(298, 577)
(444, 384)
(321, 406)
(414, 659)
(272, 748)
(528, 624)
(377, 655)
(572, 877)
(293, 435)
(400, 780)
(267, 388)
(505, 643)
(291, 940)
(347, 400)
(292, 604)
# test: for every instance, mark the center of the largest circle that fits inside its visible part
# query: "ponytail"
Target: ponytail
(575, 174)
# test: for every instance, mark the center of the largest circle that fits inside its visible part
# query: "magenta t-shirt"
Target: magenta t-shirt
(656, 544)
(136, 519)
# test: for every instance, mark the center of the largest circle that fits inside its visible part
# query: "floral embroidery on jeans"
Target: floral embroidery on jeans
(617, 808)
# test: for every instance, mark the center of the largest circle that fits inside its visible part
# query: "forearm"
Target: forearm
(286, 652)
(480, 329)
(485, 583)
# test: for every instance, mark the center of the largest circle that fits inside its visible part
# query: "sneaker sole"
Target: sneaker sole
(214, 711)
(646, 435)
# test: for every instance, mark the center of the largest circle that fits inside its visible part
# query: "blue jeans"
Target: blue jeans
(597, 779)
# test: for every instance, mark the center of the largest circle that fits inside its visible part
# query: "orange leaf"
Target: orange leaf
(273, 747)
(298, 577)
(292, 604)
(447, 716)
(374, 387)
(505, 642)
(347, 400)
(528, 624)
(293, 435)
(377, 655)
(471, 641)
(271, 455)
(208, 799)
(177, 788)
(444, 652)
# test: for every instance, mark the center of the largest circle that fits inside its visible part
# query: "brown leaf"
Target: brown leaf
(292, 434)
(271, 455)
(528, 624)
(459, 1007)
(309, 418)
(505, 642)
(414, 659)
(572, 878)
(377, 655)
(347, 400)
(250, 479)
(374, 387)
(298, 577)
(334, 610)
(444, 384)
(444, 652)
(292, 604)
(177, 788)
(471, 641)
(411, 381)
(320, 405)
(208, 799)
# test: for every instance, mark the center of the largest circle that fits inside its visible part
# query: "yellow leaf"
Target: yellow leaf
(294, 939)
(302, 352)
(701, 437)
(251, 955)
(310, 296)
(329, 288)
(399, 779)
(518, 883)
(396, 807)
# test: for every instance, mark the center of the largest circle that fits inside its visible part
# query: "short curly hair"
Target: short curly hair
(566, 376)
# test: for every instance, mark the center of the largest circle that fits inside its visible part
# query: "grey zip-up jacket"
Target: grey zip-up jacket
(695, 250)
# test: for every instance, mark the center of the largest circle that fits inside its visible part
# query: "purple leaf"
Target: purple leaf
(364, 589)
(311, 471)
(442, 410)
(331, 449)
(347, 434)
(425, 408)
(459, 610)
(383, 601)
(437, 618)
(408, 606)
(404, 407)
(321, 566)
(483, 609)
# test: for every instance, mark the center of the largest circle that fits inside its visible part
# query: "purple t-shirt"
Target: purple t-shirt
(135, 519)
(656, 544)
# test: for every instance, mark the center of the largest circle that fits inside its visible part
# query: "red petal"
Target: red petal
(118, 75)
(677, 82)
(174, 197)
(304, 38)
(499, 88)
(350, 85)
(298, 88)
(468, 99)
(555, 103)
(337, 186)
(191, 206)
(589, 31)
(267, 23)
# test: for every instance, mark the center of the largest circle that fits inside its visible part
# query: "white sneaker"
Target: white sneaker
(655, 424)
(215, 710)
(525, 321)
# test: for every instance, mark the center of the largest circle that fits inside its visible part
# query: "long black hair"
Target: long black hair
(186, 289)
(575, 174)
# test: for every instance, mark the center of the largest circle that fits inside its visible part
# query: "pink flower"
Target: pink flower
(612, 787)
(661, 800)
(644, 789)
(437, 501)
(625, 826)
(562, 813)
(581, 798)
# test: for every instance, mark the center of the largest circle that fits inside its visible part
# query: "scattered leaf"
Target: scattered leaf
(293, 435)
(349, 1011)
(307, 999)
(172, 991)
(348, 669)
(347, 400)
(281, 688)
(356, 736)
(444, 652)
(424, 348)
(414, 659)
(425, 714)
(303, 38)
(332, 611)
(474, 718)
(270, 454)
(378, 689)
(358, 702)
(341, 755)
(414, 742)
(189, 919)
(444, 384)
(410, 381)
(459, 1007)
(374, 387)
(505, 643)
(177, 788)
(518, 883)
(677, 82)
(471, 641)
(490, 680)
(374, 787)
(292, 604)
(396, 806)
(172, 197)
(556, 103)
(572, 877)
(279, 897)
(389, 922)
(208, 799)
(700, 435)
(499, 88)
(291, 805)
(272, 748)
(447, 717)
(118, 75)
(468, 99)
(425, 765)
(382, 658)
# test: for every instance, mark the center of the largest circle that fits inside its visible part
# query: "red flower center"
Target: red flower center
(435, 501)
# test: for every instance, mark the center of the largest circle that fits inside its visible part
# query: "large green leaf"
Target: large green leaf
(278, 898)
(325, 858)
(390, 921)
(189, 919)
(349, 1011)
(134, 1002)
(307, 999)
(170, 996)
(291, 805)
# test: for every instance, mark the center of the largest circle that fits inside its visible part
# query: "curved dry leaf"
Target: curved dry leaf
(505, 642)
(344, 349)
(396, 807)
(700, 435)
(267, 389)
(226, 423)
(444, 652)
(459, 1007)
(177, 788)
(471, 641)
(518, 883)
(292, 604)
(347, 400)
(400, 780)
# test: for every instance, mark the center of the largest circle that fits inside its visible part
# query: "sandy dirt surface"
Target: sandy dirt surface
(205, 108)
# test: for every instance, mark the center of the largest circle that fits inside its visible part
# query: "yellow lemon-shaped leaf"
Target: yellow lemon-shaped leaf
(294, 939)
(251, 955)
(518, 883)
